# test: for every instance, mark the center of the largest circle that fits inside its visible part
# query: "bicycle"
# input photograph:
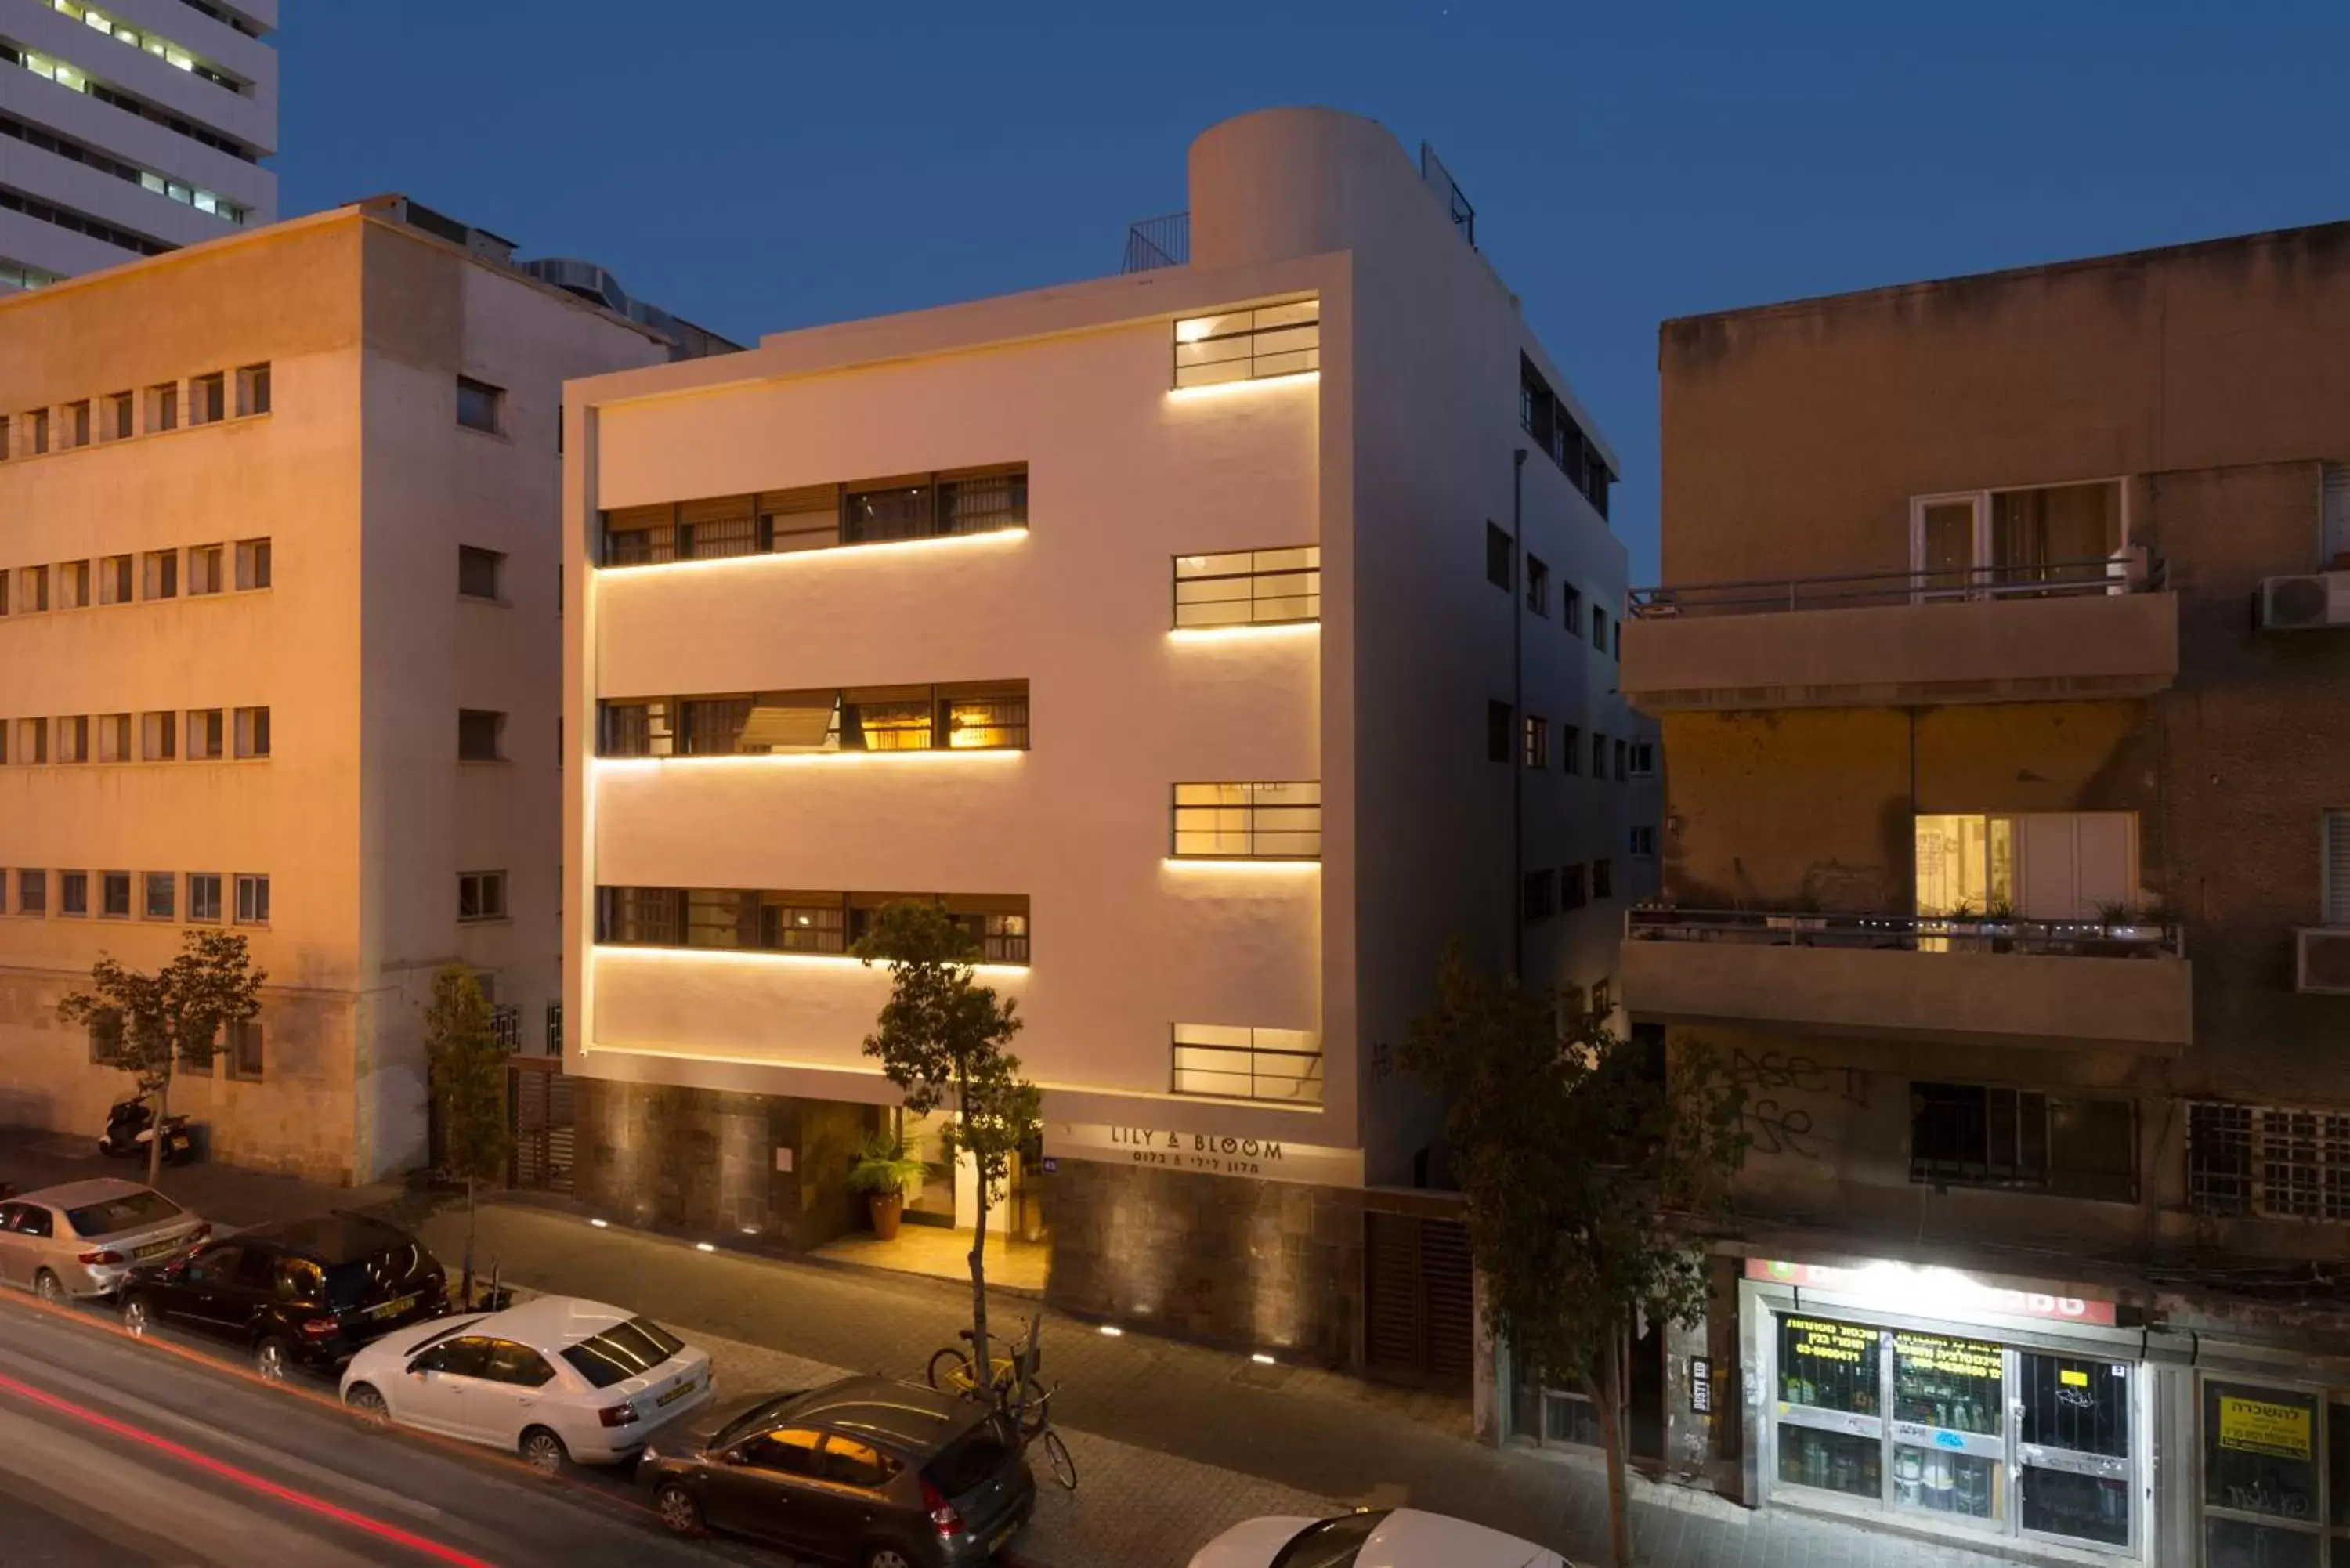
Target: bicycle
(1022, 1400)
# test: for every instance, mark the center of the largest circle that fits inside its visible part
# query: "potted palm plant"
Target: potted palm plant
(883, 1170)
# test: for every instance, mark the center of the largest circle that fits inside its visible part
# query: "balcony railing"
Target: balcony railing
(1155, 242)
(2133, 572)
(1908, 933)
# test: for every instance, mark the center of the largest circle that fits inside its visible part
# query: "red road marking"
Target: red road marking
(246, 1479)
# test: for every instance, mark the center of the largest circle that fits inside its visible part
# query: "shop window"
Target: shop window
(2259, 1474)
(2072, 1447)
(1828, 1376)
(1949, 1414)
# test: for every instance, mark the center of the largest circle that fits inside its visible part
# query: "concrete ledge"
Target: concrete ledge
(1892, 993)
(1988, 650)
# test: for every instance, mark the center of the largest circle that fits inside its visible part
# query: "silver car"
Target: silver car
(78, 1239)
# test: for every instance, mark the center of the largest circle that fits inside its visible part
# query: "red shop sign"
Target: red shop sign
(1929, 1291)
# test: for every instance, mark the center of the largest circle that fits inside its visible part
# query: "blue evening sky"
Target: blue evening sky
(764, 164)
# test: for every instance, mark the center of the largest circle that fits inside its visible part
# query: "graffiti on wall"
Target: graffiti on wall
(1778, 1087)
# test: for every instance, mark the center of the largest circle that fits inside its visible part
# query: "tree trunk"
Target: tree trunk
(469, 1244)
(1610, 1401)
(162, 1110)
(982, 1367)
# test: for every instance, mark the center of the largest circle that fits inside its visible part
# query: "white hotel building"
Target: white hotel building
(1219, 639)
(130, 127)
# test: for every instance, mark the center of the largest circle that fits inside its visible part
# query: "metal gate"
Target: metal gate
(1418, 1305)
(538, 1105)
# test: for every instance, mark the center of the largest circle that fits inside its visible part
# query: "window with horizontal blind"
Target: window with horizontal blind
(786, 920)
(967, 716)
(819, 517)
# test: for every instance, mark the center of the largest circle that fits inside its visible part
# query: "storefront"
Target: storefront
(1924, 1395)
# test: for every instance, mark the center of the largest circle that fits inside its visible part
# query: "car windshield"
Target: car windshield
(111, 1216)
(1330, 1543)
(625, 1350)
(970, 1460)
(369, 1280)
(764, 1413)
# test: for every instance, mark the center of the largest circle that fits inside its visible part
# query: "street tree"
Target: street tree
(941, 1039)
(1590, 1177)
(148, 1024)
(469, 1082)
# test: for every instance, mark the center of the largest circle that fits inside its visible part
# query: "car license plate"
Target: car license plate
(680, 1392)
(156, 1249)
(392, 1309)
(1003, 1535)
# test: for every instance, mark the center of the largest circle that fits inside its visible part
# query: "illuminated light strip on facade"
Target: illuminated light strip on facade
(828, 553)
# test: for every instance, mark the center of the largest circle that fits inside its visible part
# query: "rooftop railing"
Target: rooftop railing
(2131, 572)
(1909, 933)
(1155, 242)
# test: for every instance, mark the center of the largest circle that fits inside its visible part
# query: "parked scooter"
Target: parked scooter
(130, 1127)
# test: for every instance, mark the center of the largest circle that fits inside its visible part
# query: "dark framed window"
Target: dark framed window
(481, 896)
(1544, 416)
(2277, 1161)
(1599, 629)
(73, 893)
(1248, 345)
(1570, 749)
(204, 897)
(1536, 742)
(1570, 888)
(1537, 586)
(1249, 588)
(1641, 842)
(1603, 878)
(974, 715)
(252, 900)
(1538, 897)
(478, 572)
(1974, 1135)
(245, 1052)
(1248, 821)
(163, 896)
(1598, 756)
(32, 892)
(1234, 1062)
(819, 517)
(1497, 731)
(114, 894)
(1643, 759)
(795, 921)
(481, 406)
(1620, 750)
(479, 733)
(1498, 554)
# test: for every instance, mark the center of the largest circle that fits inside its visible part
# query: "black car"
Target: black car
(869, 1471)
(305, 1292)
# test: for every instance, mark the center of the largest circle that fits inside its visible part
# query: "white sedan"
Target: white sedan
(556, 1378)
(1381, 1538)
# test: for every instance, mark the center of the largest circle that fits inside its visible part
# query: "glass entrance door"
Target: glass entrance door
(1950, 1426)
(2072, 1447)
(1831, 1413)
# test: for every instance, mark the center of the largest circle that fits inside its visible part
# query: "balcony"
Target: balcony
(2094, 629)
(1900, 977)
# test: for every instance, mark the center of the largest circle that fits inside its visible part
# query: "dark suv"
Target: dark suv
(305, 1292)
(864, 1471)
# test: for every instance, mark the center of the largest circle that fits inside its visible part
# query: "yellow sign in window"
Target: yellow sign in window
(2260, 1427)
(2072, 1379)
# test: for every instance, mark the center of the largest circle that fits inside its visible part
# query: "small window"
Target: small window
(1603, 878)
(1248, 821)
(204, 897)
(1497, 731)
(252, 900)
(76, 426)
(117, 423)
(1570, 606)
(32, 741)
(162, 575)
(1599, 629)
(1536, 743)
(37, 433)
(1972, 1135)
(1642, 843)
(1570, 888)
(1537, 586)
(117, 584)
(208, 400)
(480, 406)
(114, 895)
(1249, 588)
(204, 575)
(481, 895)
(246, 1052)
(478, 571)
(1620, 750)
(158, 736)
(1497, 558)
(1539, 899)
(1247, 345)
(74, 584)
(479, 733)
(32, 590)
(252, 564)
(1570, 749)
(32, 892)
(252, 731)
(73, 894)
(251, 389)
(7, 437)
(163, 896)
(1643, 759)
(206, 734)
(115, 743)
(73, 738)
(163, 406)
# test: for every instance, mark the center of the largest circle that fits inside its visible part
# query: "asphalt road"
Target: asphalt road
(115, 1452)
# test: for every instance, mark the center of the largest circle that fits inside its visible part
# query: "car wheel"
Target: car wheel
(542, 1451)
(368, 1405)
(138, 1317)
(270, 1359)
(50, 1288)
(678, 1510)
(885, 1555)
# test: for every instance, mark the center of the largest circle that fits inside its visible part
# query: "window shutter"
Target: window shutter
(2335, 873)
(2335, 545)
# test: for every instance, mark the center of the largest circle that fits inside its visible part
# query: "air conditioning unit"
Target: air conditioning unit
(2304, 602)
(2321, 959)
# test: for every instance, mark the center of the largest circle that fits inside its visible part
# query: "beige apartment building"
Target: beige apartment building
(278, 654)
(2003, 665)
(1215, 639)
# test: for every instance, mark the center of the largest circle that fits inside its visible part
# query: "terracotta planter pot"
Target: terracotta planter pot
(886, 1207)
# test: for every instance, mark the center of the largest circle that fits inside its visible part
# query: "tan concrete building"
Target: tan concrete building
(279, 654)
(2003, 667)
(1217, 640)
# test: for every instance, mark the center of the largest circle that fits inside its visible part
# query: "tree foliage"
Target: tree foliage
(469, 1089)
(150, 1024)
(941, 1039)
(1589, 1177)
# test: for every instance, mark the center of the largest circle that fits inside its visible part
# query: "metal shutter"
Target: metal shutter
(2335, 875)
